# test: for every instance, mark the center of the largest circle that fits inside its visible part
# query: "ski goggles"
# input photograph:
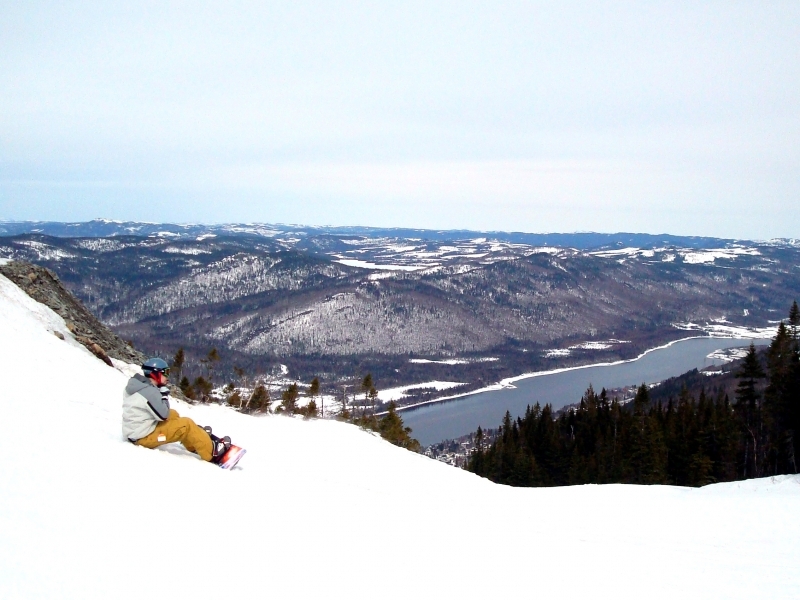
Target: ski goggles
(164, 372)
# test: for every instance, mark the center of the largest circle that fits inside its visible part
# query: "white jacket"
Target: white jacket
(143, 407)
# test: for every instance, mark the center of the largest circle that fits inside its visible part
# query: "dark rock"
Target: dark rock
(44, 286)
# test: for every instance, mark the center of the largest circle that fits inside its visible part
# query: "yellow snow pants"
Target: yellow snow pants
(179, 429)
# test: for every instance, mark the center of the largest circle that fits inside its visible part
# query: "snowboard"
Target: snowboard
(231, 457)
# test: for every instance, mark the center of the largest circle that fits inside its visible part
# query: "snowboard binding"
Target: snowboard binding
(224, 454)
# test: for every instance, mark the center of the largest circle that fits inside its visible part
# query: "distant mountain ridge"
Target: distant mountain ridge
(577, 240)
(472, 310)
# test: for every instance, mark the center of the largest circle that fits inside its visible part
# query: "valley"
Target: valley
(410, 307)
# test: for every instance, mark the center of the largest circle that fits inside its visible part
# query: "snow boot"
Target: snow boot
(220, 447)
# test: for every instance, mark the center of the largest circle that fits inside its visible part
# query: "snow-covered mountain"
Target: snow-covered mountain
(327, 305)
(322, 509)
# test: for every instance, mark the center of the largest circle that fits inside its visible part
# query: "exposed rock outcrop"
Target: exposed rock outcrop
(44, 286)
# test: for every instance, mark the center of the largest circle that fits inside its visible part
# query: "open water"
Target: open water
(433, 423)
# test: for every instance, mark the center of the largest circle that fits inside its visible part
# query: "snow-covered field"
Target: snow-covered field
(398, 393)
(722, 329)
(728, 354)
(320, 509)
(452, 361)
(596, 345)
(361, 264)
(707, 256)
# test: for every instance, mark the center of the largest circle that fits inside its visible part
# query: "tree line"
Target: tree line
(257, 399)
(690, 441)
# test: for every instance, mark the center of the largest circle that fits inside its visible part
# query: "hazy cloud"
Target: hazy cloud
(655, 117)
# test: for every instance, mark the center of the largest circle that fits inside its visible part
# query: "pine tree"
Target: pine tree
(259, 400)
(793, 396)
(475, 462)
(310, 409)
(203, 388)
(749, 375)
(392, 429)
(367, 382)
(641, 462)
(235, 399)
(748, 408)
(641, 400)
(210, 361)
(177, 363)
(373, 398)
(313, 392)
(366, 385)
(344, 414)
(186, 388)
(794, 320)
(780, 402)
(289, 399)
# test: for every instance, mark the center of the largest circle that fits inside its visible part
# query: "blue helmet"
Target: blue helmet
(155, 365)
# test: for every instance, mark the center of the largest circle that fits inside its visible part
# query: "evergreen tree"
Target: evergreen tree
(202, 387)
(186, 388)
(366, 385)
(749, 375)
(289, 399)
(210, 362)
(235, 399)
(748, 408)
(641, 400)
(373, 397)
(259, 400)
(792, 408)
(313, 392)
(475, 463)
(781, 402)
(688, 441)
(725, 436)
(177, 363)
(647, 462)
(392, 429)
(310, 409)
(794, 320)
(344, 414)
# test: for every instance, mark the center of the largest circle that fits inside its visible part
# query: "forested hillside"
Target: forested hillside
(686, 441)
(474, 310)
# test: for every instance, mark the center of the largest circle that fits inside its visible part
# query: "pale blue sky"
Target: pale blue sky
(679, 117)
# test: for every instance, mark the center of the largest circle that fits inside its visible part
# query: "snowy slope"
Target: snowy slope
(321, 509)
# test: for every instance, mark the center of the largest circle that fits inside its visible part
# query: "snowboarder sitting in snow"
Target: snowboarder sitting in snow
(148, 421)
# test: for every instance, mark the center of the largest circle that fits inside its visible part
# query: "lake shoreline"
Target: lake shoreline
(508, 382)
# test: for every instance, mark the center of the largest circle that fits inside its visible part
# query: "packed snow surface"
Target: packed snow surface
(321, 509)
